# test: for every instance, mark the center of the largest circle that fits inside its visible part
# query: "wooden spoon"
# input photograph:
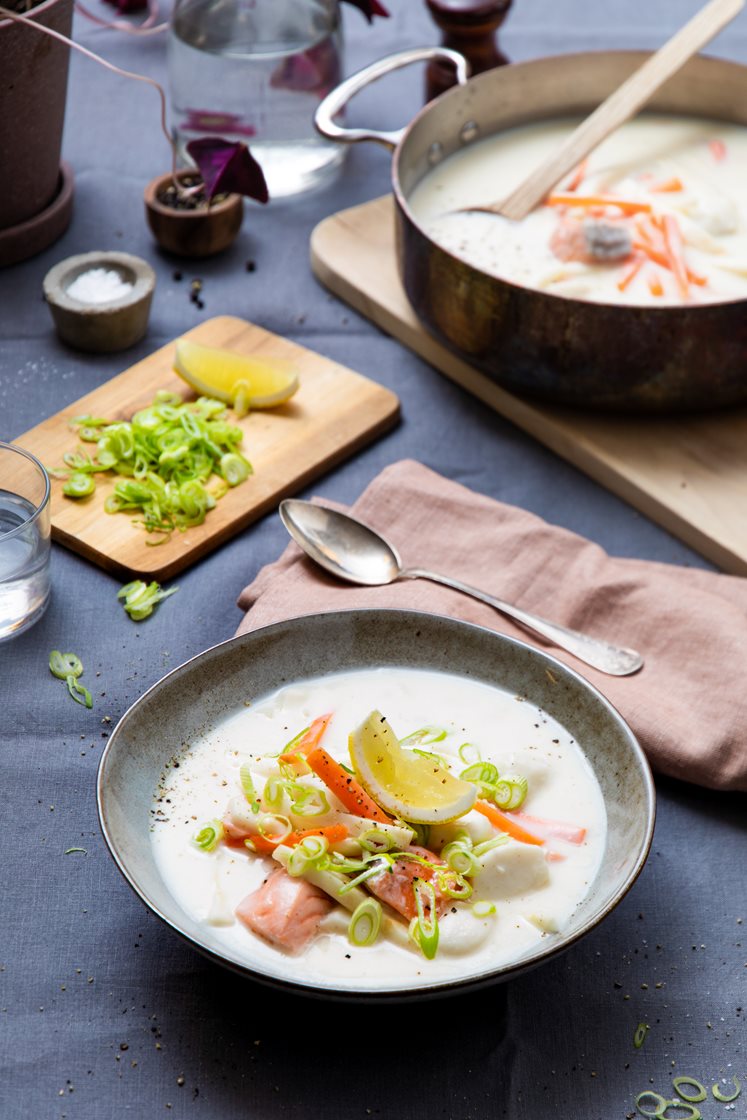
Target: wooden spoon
(619, 107)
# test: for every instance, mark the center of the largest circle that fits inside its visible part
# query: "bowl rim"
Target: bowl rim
(438, 988)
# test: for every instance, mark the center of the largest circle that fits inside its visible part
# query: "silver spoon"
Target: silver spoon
(353, 552)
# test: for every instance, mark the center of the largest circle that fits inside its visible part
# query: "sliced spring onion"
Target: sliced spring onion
(64, 665)
(370, 871)
(453, 885)
(247, 785)
(488, 845)
(314, 847)
(273, 793)
(691, 1113)
(469, 754)
(375, 840)
(140, 598)
(423, 736)
(365, 923)
(309, 801)
(209, 836)
(424, 929)
(79, 692)
(459, 857)
(481, 773)
(723, 1097)
(700, 1093)
(274, 827)
(439, 761)
(79, 485)
(510, 793)
(422, 833)
(165, 455)
(234, 468)
(484, 909)
(659, 1105)
(640, 1035)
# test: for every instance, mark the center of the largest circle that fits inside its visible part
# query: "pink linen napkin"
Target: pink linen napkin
(688, 705)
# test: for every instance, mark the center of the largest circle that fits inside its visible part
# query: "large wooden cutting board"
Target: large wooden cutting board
(334, 412)
(689, 473)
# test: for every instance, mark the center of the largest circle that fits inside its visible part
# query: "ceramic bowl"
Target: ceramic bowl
(102, 327)
(196, 697)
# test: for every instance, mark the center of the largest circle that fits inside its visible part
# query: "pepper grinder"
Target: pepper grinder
(467, 26)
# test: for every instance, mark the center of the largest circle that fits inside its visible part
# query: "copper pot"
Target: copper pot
(556, 348)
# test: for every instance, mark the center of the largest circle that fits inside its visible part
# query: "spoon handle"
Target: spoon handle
(599, 654)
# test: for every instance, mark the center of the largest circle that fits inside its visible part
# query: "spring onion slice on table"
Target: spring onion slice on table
(140, 598)
(68, 667)
(393, 838)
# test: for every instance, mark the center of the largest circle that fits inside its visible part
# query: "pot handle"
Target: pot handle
(337, 99)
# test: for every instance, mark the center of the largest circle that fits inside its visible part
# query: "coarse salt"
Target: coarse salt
(99, 285)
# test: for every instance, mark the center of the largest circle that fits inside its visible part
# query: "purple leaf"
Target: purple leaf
(229, 168)
(370, 8)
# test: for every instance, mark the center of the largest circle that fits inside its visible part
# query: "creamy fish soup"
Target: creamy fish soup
(656, 215)
(381, 826)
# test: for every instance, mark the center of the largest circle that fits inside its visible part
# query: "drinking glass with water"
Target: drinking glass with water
(24, 540)
(255, 70)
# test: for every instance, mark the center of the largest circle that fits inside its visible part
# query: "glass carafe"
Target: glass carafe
(255, 70)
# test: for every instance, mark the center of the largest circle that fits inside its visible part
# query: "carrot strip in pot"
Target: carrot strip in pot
(334, 833)
(632, 272)
(627, 205)
(309, 739)
(667, 185)
(675, 253)
(655, 285)
(504, 822)
(717, 149)
(344, 786)
(658, 257)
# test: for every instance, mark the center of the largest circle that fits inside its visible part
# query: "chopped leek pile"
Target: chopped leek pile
(140, 598)
(166, 456)
(68, 667)
(399, 879)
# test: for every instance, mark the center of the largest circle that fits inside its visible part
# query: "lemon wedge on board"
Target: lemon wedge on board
(240, 380)
(404, 783)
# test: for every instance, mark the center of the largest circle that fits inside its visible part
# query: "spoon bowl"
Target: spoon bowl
(352, 551)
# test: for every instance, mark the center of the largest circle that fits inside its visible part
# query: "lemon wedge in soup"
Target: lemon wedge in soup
(240, 380)
(406, 784)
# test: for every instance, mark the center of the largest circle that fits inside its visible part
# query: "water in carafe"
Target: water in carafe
(255, 70)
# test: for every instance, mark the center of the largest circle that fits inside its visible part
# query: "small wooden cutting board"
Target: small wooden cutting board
(334, 412)
(687, 472)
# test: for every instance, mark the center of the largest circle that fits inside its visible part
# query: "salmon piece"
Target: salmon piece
(285, 911)
(590, 241)
(394, 885)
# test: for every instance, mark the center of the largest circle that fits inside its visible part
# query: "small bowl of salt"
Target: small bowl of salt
(100, 301)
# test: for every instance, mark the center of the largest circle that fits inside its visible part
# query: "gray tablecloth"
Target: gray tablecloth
(105, 1013)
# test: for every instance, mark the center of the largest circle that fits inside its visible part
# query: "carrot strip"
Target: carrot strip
(561, 830)
(263, 846)
(717, 149)
(667, 185)
(628, 206)
(675, 253)
(344, 786)
(658, 257)
(310, 740)
(655, 285)
(577, 176)
(503, 822)
(632, 272)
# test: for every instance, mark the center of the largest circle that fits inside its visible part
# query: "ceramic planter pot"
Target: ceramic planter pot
(33, 86)
(192, 233)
